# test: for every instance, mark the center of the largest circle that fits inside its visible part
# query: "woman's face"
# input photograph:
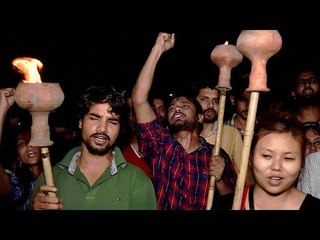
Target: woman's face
(277, 161)
(27, 154)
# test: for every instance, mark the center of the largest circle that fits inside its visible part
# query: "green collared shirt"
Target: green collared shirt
(122, 186)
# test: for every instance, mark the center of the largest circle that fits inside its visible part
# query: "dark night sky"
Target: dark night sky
(79, 57)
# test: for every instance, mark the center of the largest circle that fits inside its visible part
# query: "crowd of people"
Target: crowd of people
(136, 150)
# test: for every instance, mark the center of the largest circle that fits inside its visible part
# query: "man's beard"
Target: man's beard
(210, 119)
(308, 100)
(182, 126)
(95, 150)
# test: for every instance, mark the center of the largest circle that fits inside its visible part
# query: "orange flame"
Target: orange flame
(29, 68)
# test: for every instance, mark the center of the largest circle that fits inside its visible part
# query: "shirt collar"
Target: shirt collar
(73, 164)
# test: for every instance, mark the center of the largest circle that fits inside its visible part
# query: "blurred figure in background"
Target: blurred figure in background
(312, 132)
(306, 95)
(131, 150)
(239, 99)
(21, 163)
(309, 179)
(158, 102)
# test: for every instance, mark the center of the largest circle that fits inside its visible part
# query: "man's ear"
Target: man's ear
(80, 123)
(200, 118)
(293, 94)
(232, 100)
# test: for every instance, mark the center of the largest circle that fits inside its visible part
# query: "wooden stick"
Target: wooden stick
(248, 135)
(47, 168)
(216, 150)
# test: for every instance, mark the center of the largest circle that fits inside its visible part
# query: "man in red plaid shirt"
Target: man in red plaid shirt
(181, 159)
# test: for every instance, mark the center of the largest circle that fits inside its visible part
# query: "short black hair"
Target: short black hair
(106, 94)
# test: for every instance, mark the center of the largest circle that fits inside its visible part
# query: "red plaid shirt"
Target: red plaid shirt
(181, 179)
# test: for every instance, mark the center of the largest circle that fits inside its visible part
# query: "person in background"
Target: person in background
(239, 99)
(309, 179)
(6, 101)
(130, 149)
(181, 159)
(158, 102)
(26, 171)
(231, 141)
(280, 105)
(306, 95)
(23, 163)
(312, 132)
(95, 175)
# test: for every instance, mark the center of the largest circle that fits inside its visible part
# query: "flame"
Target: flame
(29, 68)
(226, 43)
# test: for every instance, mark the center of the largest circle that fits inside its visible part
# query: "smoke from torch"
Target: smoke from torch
(29, 68)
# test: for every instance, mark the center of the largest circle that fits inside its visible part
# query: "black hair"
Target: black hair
(11, 162)
(189, 97)
(273, 123)
(192, 99)
(106, 94)
(239, 85)
(314, 126)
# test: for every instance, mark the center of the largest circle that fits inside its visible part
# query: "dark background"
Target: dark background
(80, 57)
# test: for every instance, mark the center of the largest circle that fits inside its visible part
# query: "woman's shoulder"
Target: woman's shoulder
(310, 203)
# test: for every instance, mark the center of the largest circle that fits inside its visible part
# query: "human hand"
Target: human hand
(45, 201)
(6, 98)
(165, 41)
(217, 165)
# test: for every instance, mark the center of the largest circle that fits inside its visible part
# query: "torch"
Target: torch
(225, 57)
(258, 46)
(39, 99)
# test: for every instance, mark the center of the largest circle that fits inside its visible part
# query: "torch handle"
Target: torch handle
(47, 168)
(211, 192)
(222, 103)
(248, 135)
(216, 150)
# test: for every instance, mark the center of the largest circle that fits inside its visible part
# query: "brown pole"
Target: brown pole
(248, 135)
(222, 103)
(47, 168)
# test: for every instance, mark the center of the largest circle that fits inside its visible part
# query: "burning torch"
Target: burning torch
(39, 99)
(226, 57)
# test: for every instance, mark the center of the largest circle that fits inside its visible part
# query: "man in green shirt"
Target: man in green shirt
(95, 176)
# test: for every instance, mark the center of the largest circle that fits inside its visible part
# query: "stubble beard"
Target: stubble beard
(211, 119)
(182, 126)
(100, 151)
